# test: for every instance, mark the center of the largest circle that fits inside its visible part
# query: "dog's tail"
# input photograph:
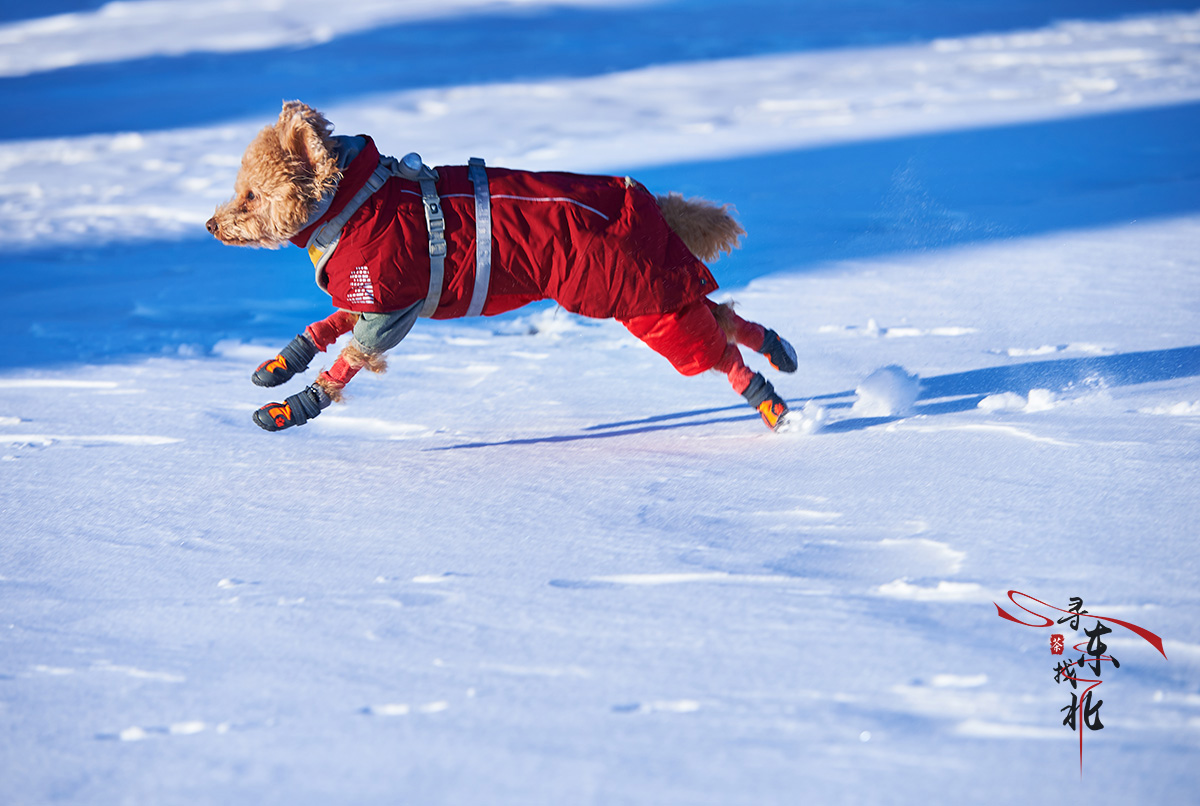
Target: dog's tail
(707, 228)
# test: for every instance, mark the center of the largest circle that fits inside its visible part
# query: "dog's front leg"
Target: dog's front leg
(296, 409)
(295, 357)
(374, 334)
(300, 351)
(353, 358)
(308, 403)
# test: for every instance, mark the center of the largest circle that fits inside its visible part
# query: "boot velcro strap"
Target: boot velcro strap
(304, 406)
(293, 358)
(760, 389)
(298, 353)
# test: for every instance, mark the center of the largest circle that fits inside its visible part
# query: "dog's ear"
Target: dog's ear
(304, 135)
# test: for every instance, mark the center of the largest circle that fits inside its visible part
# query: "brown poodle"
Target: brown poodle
(394, 240)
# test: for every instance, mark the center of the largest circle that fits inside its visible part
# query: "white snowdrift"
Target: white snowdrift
(886, 392)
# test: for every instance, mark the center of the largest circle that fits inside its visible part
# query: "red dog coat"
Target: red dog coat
(597, 245)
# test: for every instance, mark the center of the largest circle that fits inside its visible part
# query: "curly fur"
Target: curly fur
(331, 387)
(285, 171)
(707, 228)
(727, 321)
(356, 357)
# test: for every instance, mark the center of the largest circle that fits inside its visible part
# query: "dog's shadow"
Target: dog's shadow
(946, 394)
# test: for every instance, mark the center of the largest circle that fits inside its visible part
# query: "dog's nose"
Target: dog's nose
(211, 225)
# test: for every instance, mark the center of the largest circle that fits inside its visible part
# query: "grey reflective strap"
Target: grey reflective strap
(483, 236)
(412, 168)
(322, 243)
(437, 245)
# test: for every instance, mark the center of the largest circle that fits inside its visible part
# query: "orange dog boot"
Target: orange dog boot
(761, 395)
(774, 412)
(291, 359)
(781, 354)
(295, 410)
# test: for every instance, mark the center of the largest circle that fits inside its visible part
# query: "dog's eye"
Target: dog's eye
(250, 195)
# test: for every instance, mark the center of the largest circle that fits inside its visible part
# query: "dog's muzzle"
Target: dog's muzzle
(211, 225)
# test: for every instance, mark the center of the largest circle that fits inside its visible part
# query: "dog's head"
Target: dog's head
(285, 171)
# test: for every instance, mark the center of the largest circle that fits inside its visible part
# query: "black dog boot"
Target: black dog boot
(295, 410)
(781, 354)
(761, 395)
(291, 359)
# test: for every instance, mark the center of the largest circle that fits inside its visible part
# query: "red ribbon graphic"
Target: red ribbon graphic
(1150, 637)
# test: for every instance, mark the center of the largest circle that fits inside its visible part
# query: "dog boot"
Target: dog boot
(295, 410)
(291, 359)
(781, 354)
(761, 395)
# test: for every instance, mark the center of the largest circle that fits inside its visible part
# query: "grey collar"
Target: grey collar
(346, 148)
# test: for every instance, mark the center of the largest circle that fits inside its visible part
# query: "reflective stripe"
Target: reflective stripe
(562, 199)
(483, 236)
(436, 223)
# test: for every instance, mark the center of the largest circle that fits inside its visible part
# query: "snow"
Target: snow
(118, 31)
(886, 392)
(99, 187)
(1037, 400)
(531, 564)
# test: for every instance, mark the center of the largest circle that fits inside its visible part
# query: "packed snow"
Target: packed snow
(532, 564)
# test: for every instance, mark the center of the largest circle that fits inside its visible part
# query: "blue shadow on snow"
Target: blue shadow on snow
(964, 389)
(806, 207)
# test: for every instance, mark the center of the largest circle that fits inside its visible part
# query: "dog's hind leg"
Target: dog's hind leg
(757, 390)
(694, 342)
(760, 339)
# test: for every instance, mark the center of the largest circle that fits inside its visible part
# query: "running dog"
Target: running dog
(394, 240)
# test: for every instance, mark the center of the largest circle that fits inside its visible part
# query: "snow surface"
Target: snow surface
(119, 31)
(531, 564)
(103, 187)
